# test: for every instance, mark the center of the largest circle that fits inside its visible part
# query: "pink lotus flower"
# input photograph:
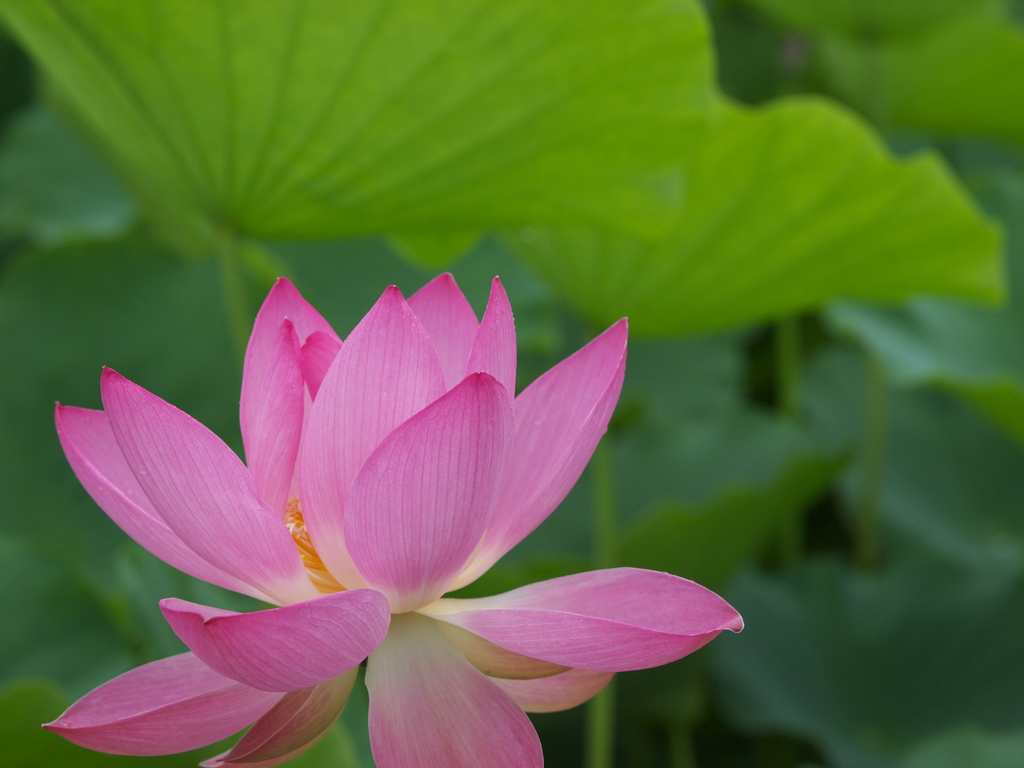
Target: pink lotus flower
(382, 473)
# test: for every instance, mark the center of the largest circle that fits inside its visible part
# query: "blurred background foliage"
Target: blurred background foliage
(812, 212)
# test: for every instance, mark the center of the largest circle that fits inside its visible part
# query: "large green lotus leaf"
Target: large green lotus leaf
(976, 352)
(867, 666)
(952, 484)
(969, 746)
(872, 18)
(787, 207)
(53, 188)
(29, 703)
(961, 78)
(317, 118)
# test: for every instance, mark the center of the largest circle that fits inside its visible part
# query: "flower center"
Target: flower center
(315, 568)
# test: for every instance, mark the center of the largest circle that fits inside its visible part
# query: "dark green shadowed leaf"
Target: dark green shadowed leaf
(868, 666)
(66, 313)
(708, 543)
(55, 618)
(969, 746)
(318, 118)
(874, 18)
(53, 188)
(787, 207)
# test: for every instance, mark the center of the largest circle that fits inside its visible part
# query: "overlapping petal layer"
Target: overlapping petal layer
(423, 498)
(386, 371)
(167, 706)
(330, 635)
(94, 455)
(450, 322)
(429, 708)
(297, 722)
(560, 418)
(612, 621)
(272, 401)
(553, 694)
(203, 491)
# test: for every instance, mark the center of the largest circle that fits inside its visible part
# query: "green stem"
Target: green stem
(681, 747)
(787, 389)
(866, 546)
(600, 743)
(232, 278)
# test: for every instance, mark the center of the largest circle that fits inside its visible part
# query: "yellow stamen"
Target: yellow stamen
(315, 568)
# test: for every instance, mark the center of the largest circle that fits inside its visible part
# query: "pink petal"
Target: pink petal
(422, 500)
(97, 461)
(613, 620)
(294, 725)
(493, 660)
(494, 349)
(553, 694)
(284, 649)
(451, 323)
(386, 371)
(318, 352)
(272, 410)
(285, 302)
(171, 705)
(560, 418)
(263, 354)
(429, 708)
(203, 492)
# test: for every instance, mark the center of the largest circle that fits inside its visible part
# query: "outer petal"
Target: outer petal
(614, 620)
(284, 649)
(494, 349)
(273, 405)
(96, 458)
(451, 323)
(422, 500)
(203, 491)
(553, 694)
(298, 721)
(386, 371)
(560, 418)
(318, 352)
(430, 709)
(171, 705)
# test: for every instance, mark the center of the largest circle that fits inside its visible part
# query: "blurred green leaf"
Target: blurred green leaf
(434, 249)
(787, 207)
(293, 118)
(952, 484)
(872, 18)
(24, 707)
(866, 666)
(53, 188)
(962, 78)
(708, 543)
(55, 619)
(977, 353)
(64, 313)
(969, 746)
